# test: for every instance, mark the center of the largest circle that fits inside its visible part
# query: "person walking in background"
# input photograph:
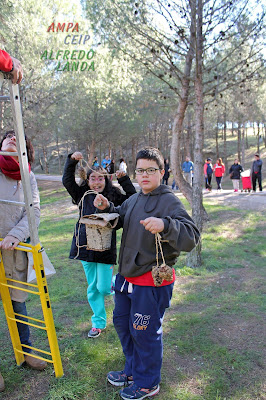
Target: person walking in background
(234, 173)
(106, 161)
(11, 65)
(123, 165)
(95, 162)
(98, 265)
(166, 171)
(187, 168)
(208, 174)
(111, 169)
(219, 170)
(256, 172)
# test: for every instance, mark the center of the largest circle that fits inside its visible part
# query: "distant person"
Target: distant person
(166, 172)
(187, 168)
(208, 174)
(95, 162)
(219, 170)
(256, 172)
(123, 165)
(11, 65)
(234, 173)
(98, 265)
(111, 169)
(106, 161)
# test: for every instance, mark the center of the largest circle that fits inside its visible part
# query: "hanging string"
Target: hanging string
(91, 169)
(81, 202)
(158, 243)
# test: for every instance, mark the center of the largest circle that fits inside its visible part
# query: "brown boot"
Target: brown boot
(35, 363)
(2, 383)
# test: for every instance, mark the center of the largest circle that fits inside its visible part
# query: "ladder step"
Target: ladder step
(8, 153)
(13, 203)
(4, 98)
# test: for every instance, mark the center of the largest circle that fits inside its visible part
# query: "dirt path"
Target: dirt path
(244, 201)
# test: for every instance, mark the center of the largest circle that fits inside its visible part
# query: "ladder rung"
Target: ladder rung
(4, 98)
(19, 288)
(9, 153)
(27, 323)
(21, 283)
(31, 318)
(35, 349)
(34, 355)
(13, 203)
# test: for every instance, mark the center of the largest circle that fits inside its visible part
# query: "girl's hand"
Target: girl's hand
(119, 174)
(77, 156)
(153, 224)
(9, 243)
(101, 202)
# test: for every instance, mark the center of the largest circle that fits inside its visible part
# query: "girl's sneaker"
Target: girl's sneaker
(134, 392)
(119, 378)
(94, 332)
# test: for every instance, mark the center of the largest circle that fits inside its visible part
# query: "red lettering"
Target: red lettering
(76, 27)
(51, 27)
(69, 25)
(60, 27)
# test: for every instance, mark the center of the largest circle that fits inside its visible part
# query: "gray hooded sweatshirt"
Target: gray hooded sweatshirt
(138, 252)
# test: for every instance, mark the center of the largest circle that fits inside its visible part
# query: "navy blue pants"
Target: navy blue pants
(23, 330)
(138, 318)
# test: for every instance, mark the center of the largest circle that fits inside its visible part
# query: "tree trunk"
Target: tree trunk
(46, 163)
(194, 257)
(91, 153)
(243, 148)
(217, 138)
(58, 154)
(258, 138)
(225, 144)
(180, 115)
(239, 141)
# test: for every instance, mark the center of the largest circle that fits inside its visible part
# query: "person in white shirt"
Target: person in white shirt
(123, 165)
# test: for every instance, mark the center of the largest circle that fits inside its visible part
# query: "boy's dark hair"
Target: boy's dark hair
(151, 153)
(29, 147)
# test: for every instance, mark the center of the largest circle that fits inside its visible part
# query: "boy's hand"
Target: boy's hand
(153, 224)
(101, 202)
(77, 156)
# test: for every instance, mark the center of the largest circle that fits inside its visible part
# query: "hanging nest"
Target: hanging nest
(99, 229)
(161, 272)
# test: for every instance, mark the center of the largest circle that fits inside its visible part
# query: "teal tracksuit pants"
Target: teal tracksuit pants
(99, 278)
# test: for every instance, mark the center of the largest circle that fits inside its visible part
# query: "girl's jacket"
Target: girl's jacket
(76, 192)
(219, 170)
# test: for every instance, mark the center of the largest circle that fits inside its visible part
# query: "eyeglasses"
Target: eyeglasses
(99, 179)
(10, 136)
(149, 171)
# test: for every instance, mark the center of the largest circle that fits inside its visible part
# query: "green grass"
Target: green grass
(213, 344)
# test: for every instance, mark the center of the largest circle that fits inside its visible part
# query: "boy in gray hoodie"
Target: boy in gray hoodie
(140, 300)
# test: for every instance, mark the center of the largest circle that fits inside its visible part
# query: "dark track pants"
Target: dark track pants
(256, 177)
(138, 318)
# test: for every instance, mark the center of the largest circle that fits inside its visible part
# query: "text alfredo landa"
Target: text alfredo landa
(70, 60)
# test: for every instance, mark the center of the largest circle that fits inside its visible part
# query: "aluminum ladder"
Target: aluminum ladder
(41, 288)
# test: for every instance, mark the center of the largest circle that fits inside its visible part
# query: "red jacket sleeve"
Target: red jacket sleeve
(6, 64)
